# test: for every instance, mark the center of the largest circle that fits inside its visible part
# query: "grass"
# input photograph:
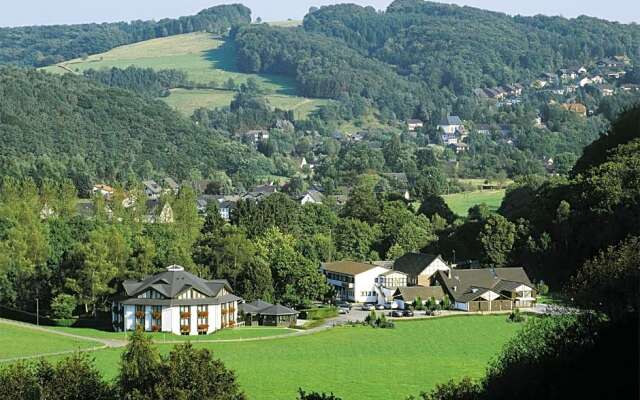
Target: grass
(460, 203)
(238, 333)
(205, 59)
(17, 341)
(359, 362)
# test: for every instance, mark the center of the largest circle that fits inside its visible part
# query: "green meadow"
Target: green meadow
(18, 341)
(460, 203)
(356, 363)
(206, 59)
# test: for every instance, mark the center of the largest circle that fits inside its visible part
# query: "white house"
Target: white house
(103, 190)
(420, 267)
(152, 189)
(451, 124)
(175, 301)
(361, 282)
(312, 197)
(414, 124)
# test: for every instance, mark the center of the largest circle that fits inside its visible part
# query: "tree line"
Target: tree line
(38, 46)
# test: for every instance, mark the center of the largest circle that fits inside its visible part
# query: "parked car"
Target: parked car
(380, 307)
(368, 307)
(343, 304)
(397, 313)
(342, 310)
(407, 313)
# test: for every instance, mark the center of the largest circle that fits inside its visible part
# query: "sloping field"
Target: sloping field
(205, 58)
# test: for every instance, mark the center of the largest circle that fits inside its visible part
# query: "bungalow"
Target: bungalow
(262, 313)
(152, 189)
(451, 124)
(488, 289)
(420, 268)
(361, 282)
(414, 124)
(407, 295)
(175, 301)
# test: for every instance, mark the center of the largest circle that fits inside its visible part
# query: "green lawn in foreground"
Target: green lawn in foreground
(359, 363)
(237, 333)
(460, 203)
(206, 59)
(18, 341)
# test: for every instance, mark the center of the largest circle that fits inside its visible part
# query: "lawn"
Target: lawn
(205, 58)
(238, 333)
(460, 203)
(359, 362)
(16, 341)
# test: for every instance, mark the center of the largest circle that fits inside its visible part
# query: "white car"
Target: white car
(368, 307)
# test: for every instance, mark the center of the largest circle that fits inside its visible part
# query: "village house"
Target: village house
(261, 313)
(226, 204)
(256, 136)
(414, 124)
(103, 190)
(420, 268)
(170, 185)
(312, 197)
(577, 108)
(175, 301)
(451, 125)
(362, 282)
(152, 189)
(487, 289)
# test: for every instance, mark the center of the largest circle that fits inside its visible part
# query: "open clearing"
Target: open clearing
(460, 203)
(358, 362)
(206, 59)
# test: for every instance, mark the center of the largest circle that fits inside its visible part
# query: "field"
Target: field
(460, 203)
(206, 59)
(358, 362)
(17, 341)
(230, 334)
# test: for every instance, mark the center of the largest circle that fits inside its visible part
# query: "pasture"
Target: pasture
(206, 59)
(460, 203)
(360, 362)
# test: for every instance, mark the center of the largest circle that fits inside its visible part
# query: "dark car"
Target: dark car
(343, 304)
(396, 313)
(407, 313)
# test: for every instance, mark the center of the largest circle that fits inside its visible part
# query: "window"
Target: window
(140, 315)
(156, 318)
(185, 320)
(203, 319)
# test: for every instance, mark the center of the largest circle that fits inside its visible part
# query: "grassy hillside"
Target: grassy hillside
(205, 58)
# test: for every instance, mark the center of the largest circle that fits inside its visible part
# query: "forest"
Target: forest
(38, 46)
(105, 133)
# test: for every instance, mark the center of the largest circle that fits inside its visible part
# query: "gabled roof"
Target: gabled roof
(315, 195)
(152, 186)
(410, 293)
(471, 283)
(348, 267)
(414, 263)
(174, 281)
(278, 310)
(170, 183)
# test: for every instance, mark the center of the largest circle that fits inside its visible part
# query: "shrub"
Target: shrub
(157, 315)
(417, 304)
(542, 288)
(63, 306)
(155, 328)
(515, 316)
(185, 328)
(140, 314)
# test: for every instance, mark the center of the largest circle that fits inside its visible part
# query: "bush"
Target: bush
(515, 316)
(319, 313)
(542, 288)
(63, 306)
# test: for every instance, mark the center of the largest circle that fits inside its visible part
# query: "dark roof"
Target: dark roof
(260, 305)
(414, 263)
(180, 302)
(174, 281)
(348, 267)
(410, 293)
(451, 120)
(278, 309)
(471, 283)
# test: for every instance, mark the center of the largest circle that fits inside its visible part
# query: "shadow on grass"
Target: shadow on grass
(224, 58)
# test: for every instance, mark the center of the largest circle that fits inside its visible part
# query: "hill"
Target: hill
(38, 46)
(105, 133)
(208, 61)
